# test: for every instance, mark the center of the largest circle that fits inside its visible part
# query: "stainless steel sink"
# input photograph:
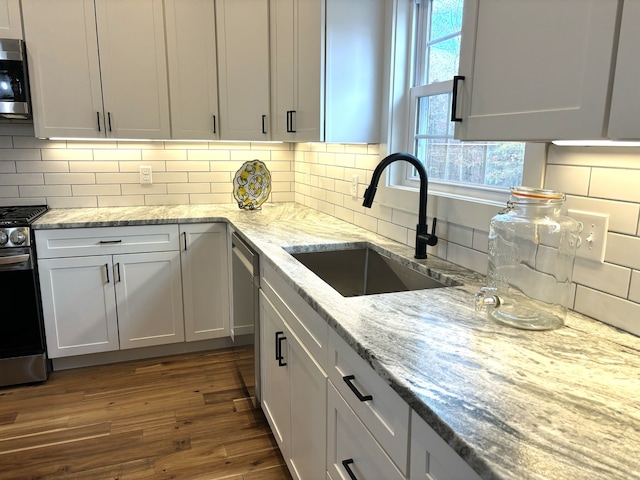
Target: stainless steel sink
(361, 270)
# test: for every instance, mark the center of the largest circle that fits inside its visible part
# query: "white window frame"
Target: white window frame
(468, 205)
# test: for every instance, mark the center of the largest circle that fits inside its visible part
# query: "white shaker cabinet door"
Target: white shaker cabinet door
(79, 307)
(149, 298)
(242, 28)
(535, 71)
(625, 102)
(64, 70)
(193, 70)
(10, 19)
(133, 63)
(205, 280)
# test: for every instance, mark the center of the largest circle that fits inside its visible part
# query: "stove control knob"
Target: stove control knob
(18, 237)
(4, 238)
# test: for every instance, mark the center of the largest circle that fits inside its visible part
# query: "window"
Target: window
(450, 163)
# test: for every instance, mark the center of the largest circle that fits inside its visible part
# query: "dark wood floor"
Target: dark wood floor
(182, 417)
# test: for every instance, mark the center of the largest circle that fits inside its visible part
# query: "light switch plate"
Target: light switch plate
(594, 234)
(145, 175)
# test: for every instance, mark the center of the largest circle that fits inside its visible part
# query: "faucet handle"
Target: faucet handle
(431, 237)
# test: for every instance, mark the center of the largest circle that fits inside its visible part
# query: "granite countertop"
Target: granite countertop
(515, 404)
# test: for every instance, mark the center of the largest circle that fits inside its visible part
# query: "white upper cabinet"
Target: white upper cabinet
(242, 29)
(536, 71)
(327, 69)
(193, 71)
(625, 101)
(97, 70)
(10, 19)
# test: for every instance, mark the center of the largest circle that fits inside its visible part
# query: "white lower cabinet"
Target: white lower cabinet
(352, 452)
(205, 280)
(293, 395)
(110, 288)
(432, 458)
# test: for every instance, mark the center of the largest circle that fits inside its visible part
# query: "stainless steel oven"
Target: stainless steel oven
(14, 81)
(23, 356)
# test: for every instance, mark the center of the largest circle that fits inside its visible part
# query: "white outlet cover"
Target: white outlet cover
(354, 186)
(594, 234)
(146, 177)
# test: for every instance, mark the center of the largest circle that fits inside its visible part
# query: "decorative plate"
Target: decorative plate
(252, 185)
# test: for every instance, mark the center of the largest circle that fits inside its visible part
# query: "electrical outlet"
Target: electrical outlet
(145, 175)
(594, 234)
(354, 186)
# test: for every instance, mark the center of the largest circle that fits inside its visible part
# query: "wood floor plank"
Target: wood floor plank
(181, 417)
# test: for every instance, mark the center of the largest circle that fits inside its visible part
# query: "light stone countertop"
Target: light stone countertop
(515, 404)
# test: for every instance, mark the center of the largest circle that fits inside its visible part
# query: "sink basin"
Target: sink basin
(361, 270)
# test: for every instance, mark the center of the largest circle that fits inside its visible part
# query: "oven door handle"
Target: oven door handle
(14, 259)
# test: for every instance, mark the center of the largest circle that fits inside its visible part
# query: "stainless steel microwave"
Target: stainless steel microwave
(14, 81)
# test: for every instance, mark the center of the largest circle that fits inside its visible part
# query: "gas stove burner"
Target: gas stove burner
(22, 215)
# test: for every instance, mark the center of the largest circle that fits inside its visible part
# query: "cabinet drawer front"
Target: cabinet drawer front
(310, 327)
(351, 447)
(76, 242)
(385, 414)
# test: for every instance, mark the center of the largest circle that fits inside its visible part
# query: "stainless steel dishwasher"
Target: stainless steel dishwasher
(246, 312)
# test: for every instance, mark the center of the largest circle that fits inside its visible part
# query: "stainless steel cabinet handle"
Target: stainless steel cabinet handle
(13, 259)
(348, 379)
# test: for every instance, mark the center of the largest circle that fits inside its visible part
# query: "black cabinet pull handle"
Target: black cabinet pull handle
(348, 379)
(290, 114)
(109, 242)
(454, 101)
(98, 117)
(279, 357)
(184, 236)
(106, 269)
(264, 124)
(214, 124)
(347, 466)
(109, 116)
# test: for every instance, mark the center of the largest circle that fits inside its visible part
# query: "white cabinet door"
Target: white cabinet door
(308, 412)
(432, 458)
(205, 280)
(79, 307)
(64, 71)
(10, 19)
(275, 374)
(326, 69)
(242, 28)
(193, 71)
(625, 101)
(149, 299)
(351, 450)
(535, 72)
(133, 63)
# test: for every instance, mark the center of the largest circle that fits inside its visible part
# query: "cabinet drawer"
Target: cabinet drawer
(310, 327)
(432, 458)
(385, 414)
(351, 448)
(77, 242)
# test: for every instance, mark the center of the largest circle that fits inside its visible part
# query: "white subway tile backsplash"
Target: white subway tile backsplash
(20, 154)
(566, 179)
(623, 250)
(623, 216)
(610, 309)
(95, 190)
(117, 155)
(393, 231)
(615, 184)
(81, 166)
(605, 277)
(40, 167)
(634, 288)
(20, 179)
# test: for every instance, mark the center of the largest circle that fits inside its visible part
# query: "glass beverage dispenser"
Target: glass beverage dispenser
(531, 255)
